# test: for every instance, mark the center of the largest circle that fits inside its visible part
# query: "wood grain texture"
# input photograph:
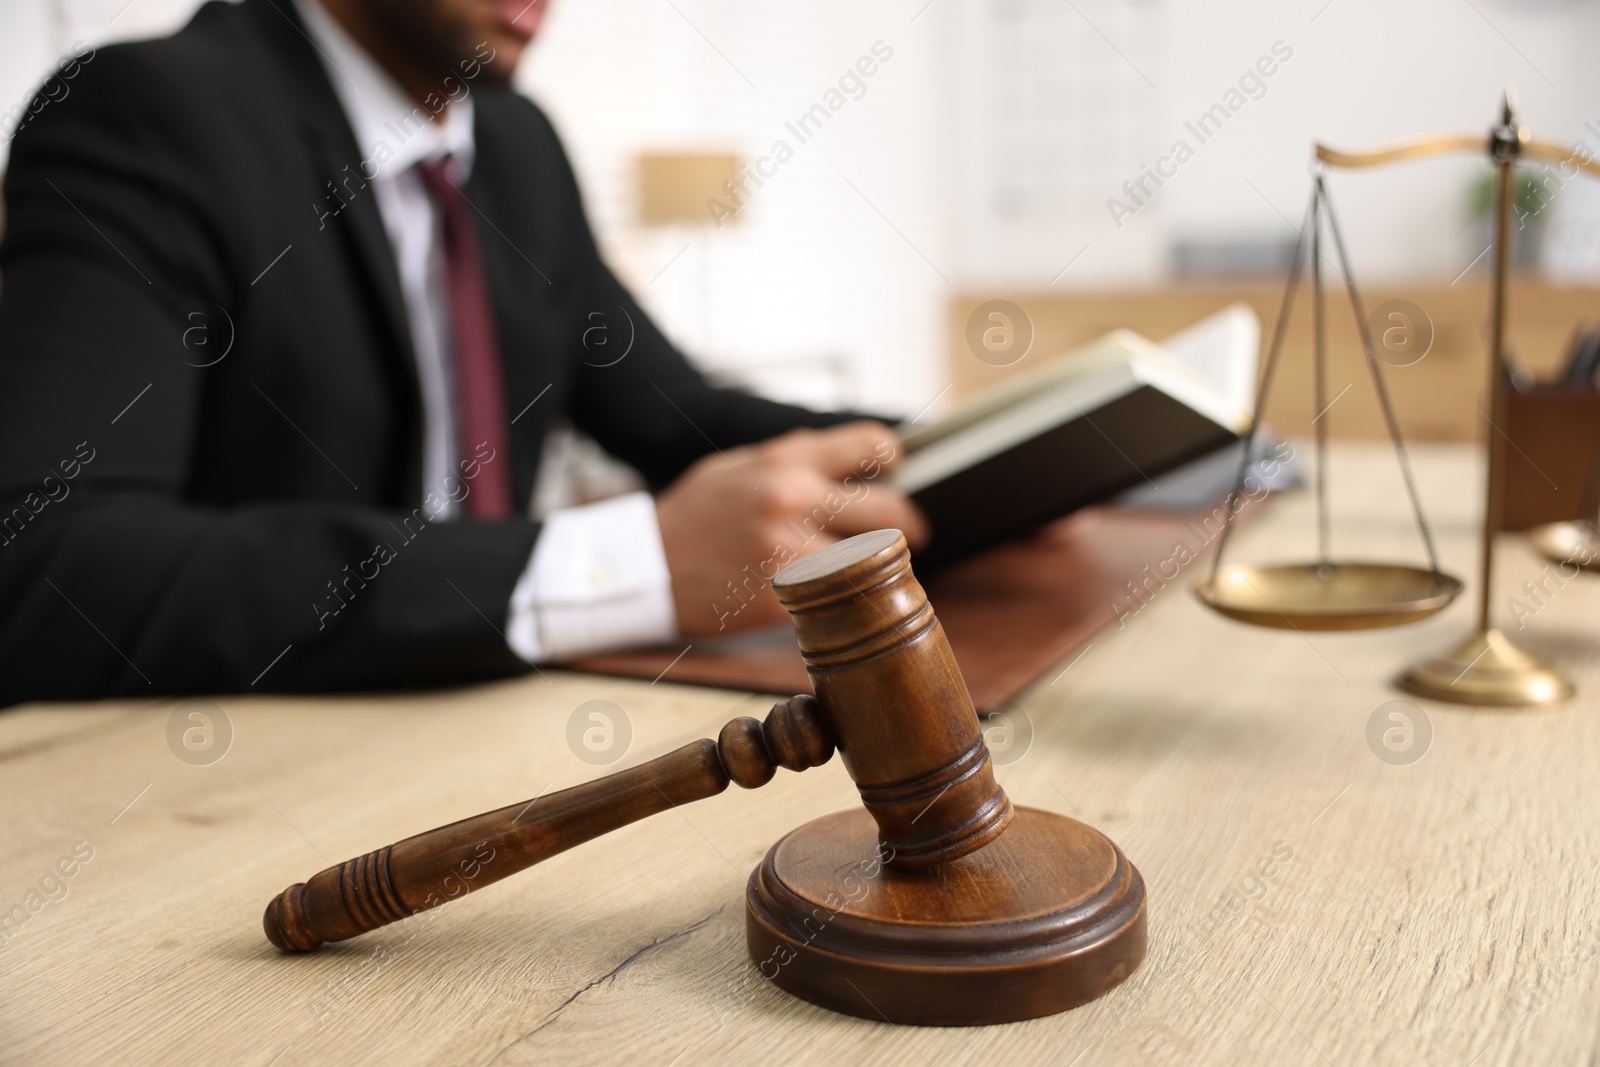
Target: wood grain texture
(1309, 903)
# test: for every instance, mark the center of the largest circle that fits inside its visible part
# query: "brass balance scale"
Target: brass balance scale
(1487, 668)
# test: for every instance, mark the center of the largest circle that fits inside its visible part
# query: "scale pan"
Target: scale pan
(1567, 542)
(1333, 596)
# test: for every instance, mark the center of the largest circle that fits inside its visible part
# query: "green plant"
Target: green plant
(1528, 197)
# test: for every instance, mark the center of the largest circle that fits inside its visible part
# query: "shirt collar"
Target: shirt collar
(392, 131)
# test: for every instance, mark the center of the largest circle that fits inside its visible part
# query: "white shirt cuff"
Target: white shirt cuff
(597, 580)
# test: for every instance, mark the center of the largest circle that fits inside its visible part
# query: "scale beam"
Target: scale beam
(1458, 144)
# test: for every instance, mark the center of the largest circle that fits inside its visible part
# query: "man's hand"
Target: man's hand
(736, 518)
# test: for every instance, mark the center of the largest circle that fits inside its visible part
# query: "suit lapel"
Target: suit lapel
(332, 145)
(362, 225)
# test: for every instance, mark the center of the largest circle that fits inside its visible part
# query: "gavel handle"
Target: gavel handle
(440, 865)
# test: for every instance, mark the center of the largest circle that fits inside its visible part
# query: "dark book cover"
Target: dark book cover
(1128, 442)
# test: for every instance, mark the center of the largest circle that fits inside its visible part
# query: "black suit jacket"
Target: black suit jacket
(170, 527)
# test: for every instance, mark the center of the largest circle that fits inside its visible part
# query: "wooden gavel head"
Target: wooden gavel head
(939, 904)
(893, 700)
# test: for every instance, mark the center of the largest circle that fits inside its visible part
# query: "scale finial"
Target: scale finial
(1507, 139)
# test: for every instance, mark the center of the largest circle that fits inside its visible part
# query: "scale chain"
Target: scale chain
(1319, 357)
(1264, 389)
(1377, 379)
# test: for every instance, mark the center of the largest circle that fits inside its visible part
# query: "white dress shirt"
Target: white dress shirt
(597, 578)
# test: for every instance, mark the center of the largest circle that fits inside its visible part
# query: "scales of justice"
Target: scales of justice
(1487, 668)
(937, 901)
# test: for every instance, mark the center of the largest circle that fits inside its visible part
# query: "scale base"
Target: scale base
(1487, 669)
(1046, 917)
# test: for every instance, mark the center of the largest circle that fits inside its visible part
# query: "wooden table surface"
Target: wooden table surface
(1309, 902)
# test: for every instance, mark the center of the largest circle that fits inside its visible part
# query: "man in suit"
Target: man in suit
(290, 302)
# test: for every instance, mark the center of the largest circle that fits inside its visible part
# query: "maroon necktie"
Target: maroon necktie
(480, 389)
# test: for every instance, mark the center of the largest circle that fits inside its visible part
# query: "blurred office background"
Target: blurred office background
(977, 161)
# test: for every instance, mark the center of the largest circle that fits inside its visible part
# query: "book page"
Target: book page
(1223, 349)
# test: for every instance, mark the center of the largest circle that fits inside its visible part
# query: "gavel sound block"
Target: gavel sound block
(936, 903)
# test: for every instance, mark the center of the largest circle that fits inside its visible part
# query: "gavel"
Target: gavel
(958, 908)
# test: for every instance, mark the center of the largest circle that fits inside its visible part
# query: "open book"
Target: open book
(1119, 412)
